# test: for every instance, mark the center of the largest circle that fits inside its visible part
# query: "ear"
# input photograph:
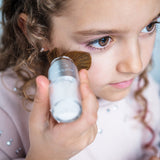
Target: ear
(22, 20)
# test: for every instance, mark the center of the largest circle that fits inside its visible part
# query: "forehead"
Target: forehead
(97, 13)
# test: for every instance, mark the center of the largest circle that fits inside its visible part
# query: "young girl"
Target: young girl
(120, 118)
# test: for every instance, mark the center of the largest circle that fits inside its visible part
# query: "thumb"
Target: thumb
(40, 110)
(88, 98)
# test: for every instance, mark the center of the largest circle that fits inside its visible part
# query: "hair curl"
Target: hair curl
(138, 94)
(22, 52)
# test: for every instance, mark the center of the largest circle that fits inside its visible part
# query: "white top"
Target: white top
(120, 136)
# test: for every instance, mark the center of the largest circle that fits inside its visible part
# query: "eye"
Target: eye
(150, 28)
(100, 43)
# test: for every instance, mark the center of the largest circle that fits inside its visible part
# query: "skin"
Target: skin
(129, 52)
(123, 59)
(61, 140)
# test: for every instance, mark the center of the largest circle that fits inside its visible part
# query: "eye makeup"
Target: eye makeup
(150, 27)
(99, 40)
(100, 44)
(104, 42)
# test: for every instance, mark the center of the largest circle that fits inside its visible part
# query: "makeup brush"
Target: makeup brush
(81, 59)
(64, 93)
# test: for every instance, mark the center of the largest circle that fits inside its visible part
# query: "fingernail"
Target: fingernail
(38, 81)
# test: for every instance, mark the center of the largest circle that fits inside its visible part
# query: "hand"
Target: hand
(155, 158)
(50, 140)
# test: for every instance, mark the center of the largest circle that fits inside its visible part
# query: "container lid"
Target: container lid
(62, 66)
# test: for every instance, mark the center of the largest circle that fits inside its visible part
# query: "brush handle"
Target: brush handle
(64, 93)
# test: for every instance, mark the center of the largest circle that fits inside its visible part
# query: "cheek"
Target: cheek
(100, 71)
(146, 58)
(95, 74)
(147, 50)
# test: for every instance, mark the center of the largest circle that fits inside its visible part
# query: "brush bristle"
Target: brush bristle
(52, 55)
(81, 59)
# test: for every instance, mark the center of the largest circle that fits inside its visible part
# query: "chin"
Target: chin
(116, 96)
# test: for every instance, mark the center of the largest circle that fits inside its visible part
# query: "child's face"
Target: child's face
(119, 36)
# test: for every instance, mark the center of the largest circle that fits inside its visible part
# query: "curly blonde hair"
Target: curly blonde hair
(23, 52)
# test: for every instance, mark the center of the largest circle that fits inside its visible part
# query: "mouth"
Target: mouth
(122, 85)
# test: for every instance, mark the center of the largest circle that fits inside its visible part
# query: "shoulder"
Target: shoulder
(8, 82)
(13, 117)
(10, 101)
(10, 141)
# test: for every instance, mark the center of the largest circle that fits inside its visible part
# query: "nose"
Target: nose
(130, 61)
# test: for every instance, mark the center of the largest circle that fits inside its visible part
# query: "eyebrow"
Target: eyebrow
(156, 17)
(96, 32)
(101, 32)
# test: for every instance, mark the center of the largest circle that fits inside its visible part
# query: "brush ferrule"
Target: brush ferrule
(62, 66)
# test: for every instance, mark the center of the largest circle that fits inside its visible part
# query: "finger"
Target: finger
(92, 132)
(89, 100)
(89, 107)
(87, 137)
(40, 110)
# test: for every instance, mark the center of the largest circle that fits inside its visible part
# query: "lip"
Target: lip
(123, 84)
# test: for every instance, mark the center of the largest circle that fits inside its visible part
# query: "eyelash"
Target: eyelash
(110, 39)
(154, 25)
